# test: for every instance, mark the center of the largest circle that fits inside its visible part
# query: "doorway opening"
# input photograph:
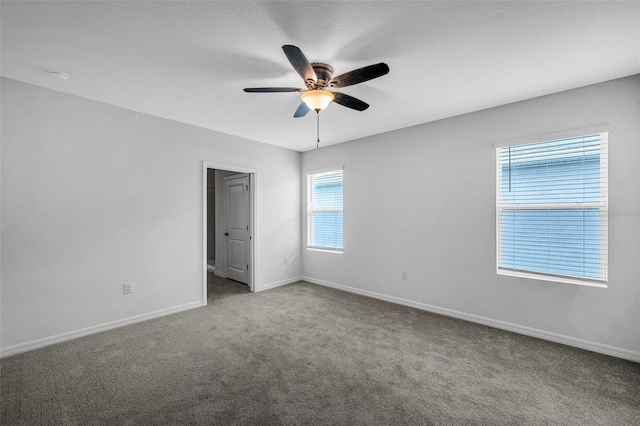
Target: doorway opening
(228, 229)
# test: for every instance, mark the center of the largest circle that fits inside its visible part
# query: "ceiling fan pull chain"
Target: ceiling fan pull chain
(318, 129)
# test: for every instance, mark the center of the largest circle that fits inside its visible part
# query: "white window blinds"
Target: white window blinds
(324, 210)
(552, 208)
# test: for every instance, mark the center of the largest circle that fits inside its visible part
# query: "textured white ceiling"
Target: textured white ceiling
(189, 61)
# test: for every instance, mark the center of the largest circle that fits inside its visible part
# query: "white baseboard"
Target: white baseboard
(46, 341)
(219, 274)
(277, 284)
(515, 328)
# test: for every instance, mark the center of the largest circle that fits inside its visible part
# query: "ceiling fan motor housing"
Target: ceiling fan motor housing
(324, 72)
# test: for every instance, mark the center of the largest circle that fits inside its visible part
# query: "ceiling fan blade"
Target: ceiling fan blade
(360, 75)
(300, 63)
(350, 101)
(302, 110)
(272, 89)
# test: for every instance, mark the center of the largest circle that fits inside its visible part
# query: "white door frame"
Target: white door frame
(253, 210)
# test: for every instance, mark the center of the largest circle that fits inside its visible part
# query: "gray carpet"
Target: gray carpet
(308, 355)
(220, 288)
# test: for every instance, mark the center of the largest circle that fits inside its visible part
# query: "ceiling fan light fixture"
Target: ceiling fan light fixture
(317, 99)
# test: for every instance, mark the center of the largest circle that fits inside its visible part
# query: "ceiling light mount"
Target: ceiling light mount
(59, 75)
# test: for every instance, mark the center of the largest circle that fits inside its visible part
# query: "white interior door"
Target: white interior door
(236, 193)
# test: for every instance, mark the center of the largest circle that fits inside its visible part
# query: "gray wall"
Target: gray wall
(422, 199)
(95, 195)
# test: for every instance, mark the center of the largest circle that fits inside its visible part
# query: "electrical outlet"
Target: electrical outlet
(404, 275)
(127, 288)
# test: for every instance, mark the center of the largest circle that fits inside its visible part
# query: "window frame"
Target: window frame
(310, 210)
(601, 205)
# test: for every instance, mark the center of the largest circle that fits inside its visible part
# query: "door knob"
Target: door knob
(226, 234)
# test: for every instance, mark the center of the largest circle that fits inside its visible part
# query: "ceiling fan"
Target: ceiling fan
(318, 77)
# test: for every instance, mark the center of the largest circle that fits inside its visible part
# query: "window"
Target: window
(324, 211)
(552, 210)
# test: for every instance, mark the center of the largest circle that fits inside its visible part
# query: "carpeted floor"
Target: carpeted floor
(308, 355)
(219, 288)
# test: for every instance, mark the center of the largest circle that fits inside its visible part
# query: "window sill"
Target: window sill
(552, 278)
(325, 250)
